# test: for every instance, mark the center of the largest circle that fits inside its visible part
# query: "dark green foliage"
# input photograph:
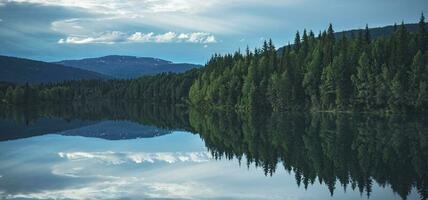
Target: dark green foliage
(356, 150)
(324, 73)
(340, 150)
(348, 73)
(31, 120)
(167, 88)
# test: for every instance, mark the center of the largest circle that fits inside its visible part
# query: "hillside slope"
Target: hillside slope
(127, 66)
(20, 71)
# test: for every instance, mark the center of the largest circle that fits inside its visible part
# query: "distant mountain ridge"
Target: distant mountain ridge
(375, 32)
(127, 66)
(117, 130)
(21, 71)
(109, 130)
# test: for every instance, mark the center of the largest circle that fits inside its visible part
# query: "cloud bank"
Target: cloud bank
(114, 37)
(117, 158)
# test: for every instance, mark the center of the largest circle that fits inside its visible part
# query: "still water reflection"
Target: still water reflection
(164, 152)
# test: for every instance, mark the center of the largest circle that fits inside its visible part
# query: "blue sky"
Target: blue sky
(173, 166)
(178, 30)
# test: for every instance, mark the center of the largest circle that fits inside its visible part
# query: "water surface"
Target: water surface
(199, 155)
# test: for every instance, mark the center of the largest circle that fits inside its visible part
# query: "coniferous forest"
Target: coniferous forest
(185, 99)
(318, 72)
(323, 73)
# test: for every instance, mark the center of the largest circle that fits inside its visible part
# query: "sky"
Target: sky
(179, 30)
(174, 166)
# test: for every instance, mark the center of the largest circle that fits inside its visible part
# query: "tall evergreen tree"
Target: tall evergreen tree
(312, 78)
(362, 83)
(422, 35)
(328, 88)
(297, 42)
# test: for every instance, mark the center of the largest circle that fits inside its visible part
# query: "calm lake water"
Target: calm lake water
(161, 152)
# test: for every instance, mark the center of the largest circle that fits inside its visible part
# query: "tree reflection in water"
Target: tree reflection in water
(355, 150)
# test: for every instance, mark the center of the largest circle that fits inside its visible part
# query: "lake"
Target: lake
(133, 151)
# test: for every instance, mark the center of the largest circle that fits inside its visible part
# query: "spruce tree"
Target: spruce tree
(328, 88)
(421, 35)
(312, 78)
(361, 82)
(297, 42)
(416, 75)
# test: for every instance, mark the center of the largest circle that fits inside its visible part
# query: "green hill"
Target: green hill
(20, 71)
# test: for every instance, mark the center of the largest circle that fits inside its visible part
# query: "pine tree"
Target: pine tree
(312, 78)
(286, 92)
(297, 42)
(421, 35)
(328, 43)
(367, 37)
(342, 83)
(361, 82)
(421, 65)
(249, 88)
(328, 88)
(416, 74)
(305, 44)
(383, 87)
(397, 99)
(273, 92)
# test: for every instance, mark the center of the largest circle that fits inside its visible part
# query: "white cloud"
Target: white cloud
(105, 38)
(177, 15)
(120, 37)
(166, 37)
(142, 37)
(117, 158)
(124, 187)
(131, 6)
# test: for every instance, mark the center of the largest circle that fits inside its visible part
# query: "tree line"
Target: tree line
(168, 88)
(321, 73)
(340, 150)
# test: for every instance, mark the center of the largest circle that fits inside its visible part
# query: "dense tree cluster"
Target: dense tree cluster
(164, 116)
(65, 92)
(319, 73)
(356, 151)
(166, 87)
(340, 150)
(323, 73)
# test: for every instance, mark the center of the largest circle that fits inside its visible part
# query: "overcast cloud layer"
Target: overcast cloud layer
(178, 30)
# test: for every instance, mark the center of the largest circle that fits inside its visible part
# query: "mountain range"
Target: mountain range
(126, 67)
(375, 32)
(117, 130)
(109, 130)
(21, 71)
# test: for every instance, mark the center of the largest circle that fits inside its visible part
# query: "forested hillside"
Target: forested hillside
(323, 73)
(318, 72)
(21, 71)
(126, 67)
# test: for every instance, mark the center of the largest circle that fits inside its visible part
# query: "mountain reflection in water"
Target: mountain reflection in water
(303, 155)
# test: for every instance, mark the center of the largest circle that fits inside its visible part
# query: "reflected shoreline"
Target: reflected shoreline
(353, 150)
